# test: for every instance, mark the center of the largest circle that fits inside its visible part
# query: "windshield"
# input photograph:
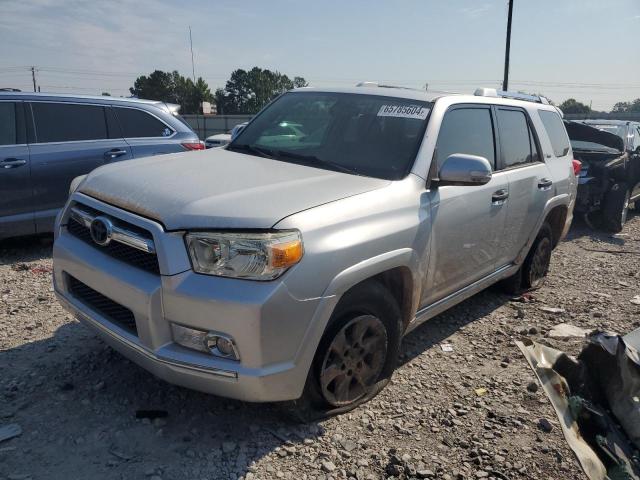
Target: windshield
(367, 135)
(619, 130)
(591, 146)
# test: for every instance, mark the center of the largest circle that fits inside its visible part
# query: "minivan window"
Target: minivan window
(113, 127)
(370, 135)
(8, 130)
(556, 132)
(140, 124)
(515, 138)
(468, 131)
(68, 122)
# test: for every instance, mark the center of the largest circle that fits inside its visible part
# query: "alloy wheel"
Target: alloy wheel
(354, 360)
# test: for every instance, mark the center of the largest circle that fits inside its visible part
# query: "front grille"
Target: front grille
(113, 311)
(130, 255)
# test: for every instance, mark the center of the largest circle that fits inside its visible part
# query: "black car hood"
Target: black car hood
(584, 133)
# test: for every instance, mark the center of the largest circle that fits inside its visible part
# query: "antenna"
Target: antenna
(193, 72)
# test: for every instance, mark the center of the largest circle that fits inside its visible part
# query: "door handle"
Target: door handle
(545, 184)
(499, 196)
(12, 163)
(114, 153)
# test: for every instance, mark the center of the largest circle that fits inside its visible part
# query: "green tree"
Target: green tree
(571, 105)
(249, 91)
(627, 107)
(171, 87)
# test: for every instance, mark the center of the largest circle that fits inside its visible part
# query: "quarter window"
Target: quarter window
(67, 122)
(139, 124)
(516, 139)
(8, 130)
(468, 131)
(555, 130)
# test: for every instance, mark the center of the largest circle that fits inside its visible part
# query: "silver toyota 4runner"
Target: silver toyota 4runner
(288, 265)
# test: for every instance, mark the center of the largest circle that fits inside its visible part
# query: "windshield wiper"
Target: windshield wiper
(313, 160)
(251, 149)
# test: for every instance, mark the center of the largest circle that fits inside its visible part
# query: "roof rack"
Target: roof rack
(492, 92)
(380, 85)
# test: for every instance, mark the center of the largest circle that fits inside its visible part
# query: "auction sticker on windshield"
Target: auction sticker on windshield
(404, 111)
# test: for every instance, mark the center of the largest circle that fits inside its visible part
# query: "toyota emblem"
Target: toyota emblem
(101, 230)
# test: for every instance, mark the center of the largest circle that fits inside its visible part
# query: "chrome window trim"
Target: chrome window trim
(119, 234)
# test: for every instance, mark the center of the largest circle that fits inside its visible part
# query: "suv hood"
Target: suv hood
(584, 133)
(219, 189)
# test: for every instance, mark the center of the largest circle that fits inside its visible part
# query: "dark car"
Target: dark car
(609, 180)
(46, 140)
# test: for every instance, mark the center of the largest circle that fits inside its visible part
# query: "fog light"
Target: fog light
(225, 346)
(214, 343)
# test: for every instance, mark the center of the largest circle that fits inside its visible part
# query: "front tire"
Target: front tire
(356, 356)
(615, 207)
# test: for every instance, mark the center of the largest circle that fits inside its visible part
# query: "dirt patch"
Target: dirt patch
(473, 412)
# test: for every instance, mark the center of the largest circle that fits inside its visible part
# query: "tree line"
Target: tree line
(247, 91)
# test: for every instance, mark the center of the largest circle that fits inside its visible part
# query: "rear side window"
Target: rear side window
(139, 124)
(516, 139)
(67, 122)
(468, 131)
(555, 130)
(8, 130)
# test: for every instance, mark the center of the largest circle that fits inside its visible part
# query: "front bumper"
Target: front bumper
(269, 325)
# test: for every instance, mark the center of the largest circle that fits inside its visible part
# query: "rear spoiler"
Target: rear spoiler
(172, 108)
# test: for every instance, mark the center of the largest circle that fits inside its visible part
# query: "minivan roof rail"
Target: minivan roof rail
(380, 85)
(493, 92)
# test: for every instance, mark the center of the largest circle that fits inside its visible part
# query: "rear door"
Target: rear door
(530, 181)
(71, 139)
(146, 133)
(16, 212)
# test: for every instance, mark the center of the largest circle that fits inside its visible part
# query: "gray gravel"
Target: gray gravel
(472, 413)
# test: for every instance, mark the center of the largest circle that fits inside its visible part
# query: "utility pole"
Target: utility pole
(505, 82)
(33, 76)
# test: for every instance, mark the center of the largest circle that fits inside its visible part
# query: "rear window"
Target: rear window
(516, 141)
(555, 130)
(140, 124)
(67, 122)
(8, 131)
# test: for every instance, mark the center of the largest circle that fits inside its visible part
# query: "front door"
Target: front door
(16, 207)
(71, 140)
(467, 221)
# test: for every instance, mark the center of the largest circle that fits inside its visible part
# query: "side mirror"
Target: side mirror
(461, 169)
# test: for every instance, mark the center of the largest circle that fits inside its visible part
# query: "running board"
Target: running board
(449, 301)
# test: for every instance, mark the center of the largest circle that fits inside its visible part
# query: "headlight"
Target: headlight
(252, 256)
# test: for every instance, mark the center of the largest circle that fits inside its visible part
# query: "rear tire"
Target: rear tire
(531, 275)
(356, 357)
(615, 207)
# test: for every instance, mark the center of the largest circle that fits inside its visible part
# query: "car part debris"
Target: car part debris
(10, 431)
(596, 398)
(446, 347)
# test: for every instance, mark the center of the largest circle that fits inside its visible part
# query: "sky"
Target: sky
(583, 49)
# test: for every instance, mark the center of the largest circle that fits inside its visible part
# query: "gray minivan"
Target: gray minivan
(48, 139)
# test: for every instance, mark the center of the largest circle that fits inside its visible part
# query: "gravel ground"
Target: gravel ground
(475, 412)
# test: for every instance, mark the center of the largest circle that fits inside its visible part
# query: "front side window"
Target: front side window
(8, 130)
(468, 131)
(140, 124)
(368, 135)
(68, 122)
(516, 140)
(555, 131)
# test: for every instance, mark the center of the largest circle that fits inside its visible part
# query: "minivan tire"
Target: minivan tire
(615, 207)
(368, 309)
(532, 274)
